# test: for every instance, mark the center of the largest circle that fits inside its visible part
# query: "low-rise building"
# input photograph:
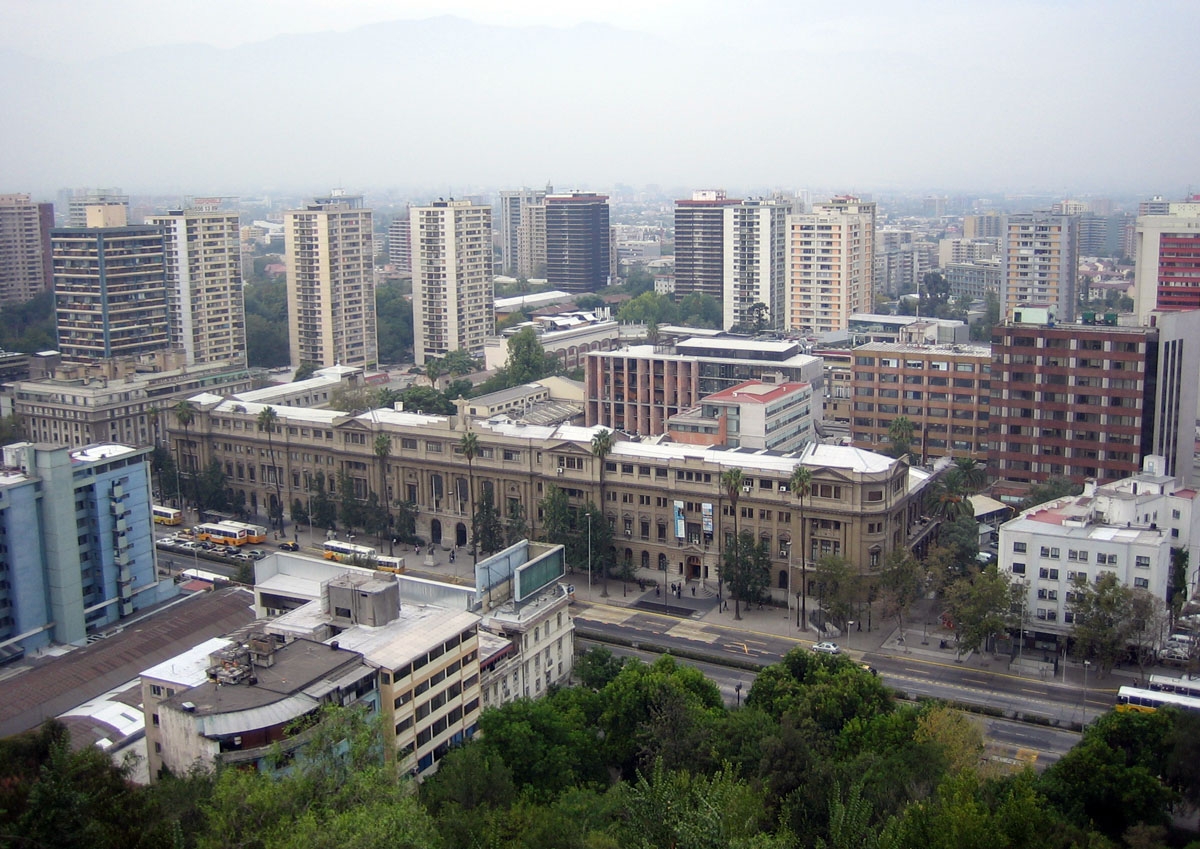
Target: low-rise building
(1127, 527)
(777, 417)
(568, 336)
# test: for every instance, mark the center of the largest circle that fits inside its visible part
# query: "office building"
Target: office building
(967, 250)
(110, 292)
(203, 260)
(989, 225)
(579, 244)
(76, 545)
(400, 243)
(80, 199)
(1040, 255)
(1091, 400)
(1093, 235)
(513, 205)
(700, 239)
(331, 283)
(531, 242)
(944, 390)
(1167, 268)
(1126, 528)
(664, 501)
(453, 296)
(762, 416)
(755, 261)
(638, 388)
(831, 265)
(975, 279)
(25, 264)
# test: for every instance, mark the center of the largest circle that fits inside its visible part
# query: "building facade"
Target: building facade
(25, 259)
(578, 241)
(1040, 254)
(203, 262)
(331, 283)
(1167, 269)
(638, 388)
(400, 243)
(1091, 400)
(944, 390)
(766, 416)
(975, 280)
(700, 243)
(76, 542)
(665, 502)
(831, 265)
(513, 205)
(110, 291)
(80, 199)
(453, 297)
(755, 263)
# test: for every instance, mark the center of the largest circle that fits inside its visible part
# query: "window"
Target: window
(1019, 547)
(1018, 568)
(1141, 562)
(409, 444)
(1141, 583)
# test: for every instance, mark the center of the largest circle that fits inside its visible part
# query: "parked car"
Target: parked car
(827, 648)
(256, 554)
(289, 546)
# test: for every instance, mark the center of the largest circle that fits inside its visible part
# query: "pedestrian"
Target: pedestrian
(693, 592)
(656, 592)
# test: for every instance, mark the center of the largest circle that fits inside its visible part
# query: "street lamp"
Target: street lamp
(1086, 665)
(589, 515)
(738, 689)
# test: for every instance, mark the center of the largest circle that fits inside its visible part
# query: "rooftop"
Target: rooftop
(757, 392)
(984, 351)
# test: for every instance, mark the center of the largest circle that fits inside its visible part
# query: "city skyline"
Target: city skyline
(871, 99)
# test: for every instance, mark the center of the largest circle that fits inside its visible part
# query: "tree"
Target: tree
(971, 472)
(957, 736)
(433, 370)
(349, 507)
(901, 584)
(1149, 619)
(981, 606)
(487, 531)
(405, 522)
(649, 308)
(321, 505)
(394, 316)
(267, 419)
(900, 434)
(596, 667)
(699, 310)
(469, 446)
(602, 446)
(527, 359)
(422, 399)
(211, 488)
(459, 362)
(948, 497)
(382, 448)
(185, 414)
(801, 484)
(836, 586)
(731, 483)
(515, 527)
(1050, 490)
(1103, 616)
(304, 371)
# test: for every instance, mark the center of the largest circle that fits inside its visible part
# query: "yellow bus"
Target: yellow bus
(166, 515)
(390, 564)
(348, 552)
(254, 533)
(221, 533)
(1136, 698)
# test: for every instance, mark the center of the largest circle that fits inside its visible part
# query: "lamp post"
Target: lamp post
(589, 515)
(1086, 665)
(737, 688)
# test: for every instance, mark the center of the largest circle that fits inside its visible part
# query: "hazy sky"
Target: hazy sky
(227, 96)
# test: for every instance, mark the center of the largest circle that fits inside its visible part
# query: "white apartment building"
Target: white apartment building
(202, 255)
(831, 265)
(1040, 256)
(1127, 527)
(453, 295)
(331, 282)
(755, 261)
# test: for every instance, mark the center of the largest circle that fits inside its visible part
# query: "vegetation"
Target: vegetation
(640, 755)
(694, 310)
(29, 327)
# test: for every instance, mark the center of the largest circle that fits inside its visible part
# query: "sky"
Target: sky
(1073, 97)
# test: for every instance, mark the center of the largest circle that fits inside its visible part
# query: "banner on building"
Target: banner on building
(706, 515)
(680, 525)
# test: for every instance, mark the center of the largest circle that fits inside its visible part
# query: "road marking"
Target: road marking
(1027, 690)
(691, 631)
(745, 649)
(607, 615)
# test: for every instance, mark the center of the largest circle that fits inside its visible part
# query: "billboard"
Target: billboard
(680, 525)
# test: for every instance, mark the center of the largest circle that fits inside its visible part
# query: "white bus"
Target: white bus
(390, 564)
(348, 552)
(166, 515)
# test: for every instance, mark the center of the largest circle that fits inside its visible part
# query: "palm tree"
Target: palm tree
(731, 482)
(469, 445)
(973, 473)
(383, 450)
(185, 414)
(434, 368)
(266, 421)
(948, 497)
(602, 446)
(900, 434)
(801, 484)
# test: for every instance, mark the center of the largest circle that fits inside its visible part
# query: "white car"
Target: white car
(827, 648)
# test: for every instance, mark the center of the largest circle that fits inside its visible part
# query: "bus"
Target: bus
(254, 533)
(166, 515)
(1136, 698)
(221, 533)
(201, 575)
(1178, 686)
(390, 564)
(348, 552)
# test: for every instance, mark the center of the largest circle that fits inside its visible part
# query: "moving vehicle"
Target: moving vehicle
(1136, 698)
(256, 553)
(827, 648)
(390, 564)
(221, 533)
(254, 533)
(289, 546)
(166, 515)
(1178, 686)
(348, 552)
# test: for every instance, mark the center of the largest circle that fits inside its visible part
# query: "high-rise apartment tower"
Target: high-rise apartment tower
(25, 268)
(578, 241)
